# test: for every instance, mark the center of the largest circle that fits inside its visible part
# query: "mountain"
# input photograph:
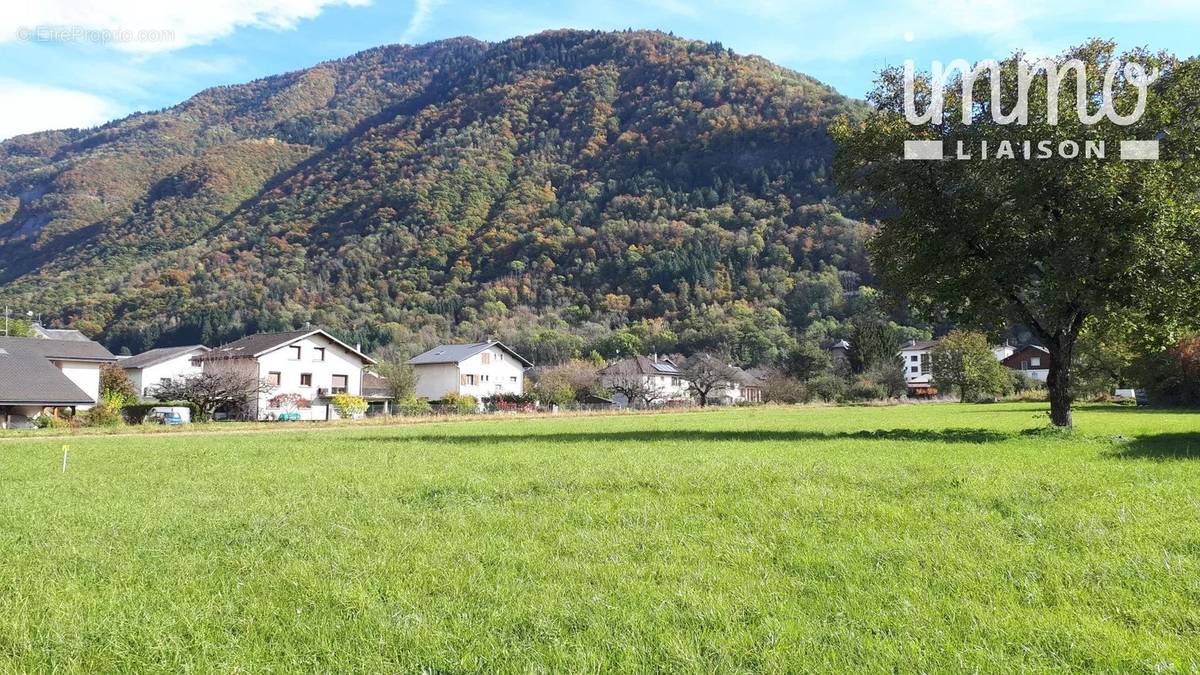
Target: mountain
(558, 186)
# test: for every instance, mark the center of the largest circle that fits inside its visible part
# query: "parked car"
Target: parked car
(171, 415)
(168, 418)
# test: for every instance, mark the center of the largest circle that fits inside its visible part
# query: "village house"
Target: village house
(40, 331)
(39, 375)
(743, 388)
(149, 369)
(304, 369)
(378, 392)
(652, 380)
(918, 374)
(839, 352)
(1033, 361)
(479, 369)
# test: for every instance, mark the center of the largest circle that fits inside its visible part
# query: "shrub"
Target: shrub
(461, 404)
(413, 406)
(779, 388)
(828, 388)
(104, 414)
(349, 406)
(890, 378)
(116, 386)
(521, 402)
(866, 390)
(44, 421)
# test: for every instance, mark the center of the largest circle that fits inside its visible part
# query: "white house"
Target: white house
(478, 369)
(918, 374)
(38, 374)
(148, 369)
(1003, 351)
(744, 388)
(304, 368)
(652, 380)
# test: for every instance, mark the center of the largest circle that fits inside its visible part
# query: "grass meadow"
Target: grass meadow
(936, 537)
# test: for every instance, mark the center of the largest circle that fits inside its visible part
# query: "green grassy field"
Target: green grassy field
(910, 538)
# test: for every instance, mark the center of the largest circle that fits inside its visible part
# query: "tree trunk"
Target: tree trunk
(1058, 381)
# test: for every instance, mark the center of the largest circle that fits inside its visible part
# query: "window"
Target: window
(339, 384)
(924, 364)
(674, 381)
(274, 378)
(513, 378)
(318, 353)
(914, 358)
(484, 378)
(468, 379)
(295, 352)
(1035, 361)
(914, 369)
(305, 379)
(487, 358)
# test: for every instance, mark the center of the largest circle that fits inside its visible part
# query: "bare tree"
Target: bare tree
(210, 390)
(705, 372)
(639, 390)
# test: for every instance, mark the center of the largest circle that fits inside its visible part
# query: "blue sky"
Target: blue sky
(72, 63)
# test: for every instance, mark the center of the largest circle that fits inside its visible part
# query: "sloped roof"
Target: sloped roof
(643, 365)
(28, 377)
(253, 346)
(918, 345)
(59, 334)
(65, 350)
(459, 353)
(156, 356)
(375, 385)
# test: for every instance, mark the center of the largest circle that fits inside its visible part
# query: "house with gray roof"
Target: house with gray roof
(149, 369)
(38, 375)
(58, 333)
(304, 370)
(479, 369)
(650, 380)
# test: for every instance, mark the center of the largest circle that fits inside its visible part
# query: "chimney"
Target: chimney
(655, 355)
(358, 346)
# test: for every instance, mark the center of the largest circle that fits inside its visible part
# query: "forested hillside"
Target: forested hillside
(549, 190)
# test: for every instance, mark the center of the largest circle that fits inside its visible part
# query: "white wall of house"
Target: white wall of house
(727, 394)
(146, 379)
(490, 372)
(435, 380)
(85, 375)
(321, 369)
(918, 370)
(672, 388)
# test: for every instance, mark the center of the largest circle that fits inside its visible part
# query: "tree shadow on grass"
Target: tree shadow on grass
(977, 436)
(1139, 410)
(1178, 445)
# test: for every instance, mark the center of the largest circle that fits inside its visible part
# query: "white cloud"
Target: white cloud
(34, 107)
(422, 13)
(148, 26)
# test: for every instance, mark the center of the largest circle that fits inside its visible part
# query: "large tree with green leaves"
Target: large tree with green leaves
(1044, 243)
